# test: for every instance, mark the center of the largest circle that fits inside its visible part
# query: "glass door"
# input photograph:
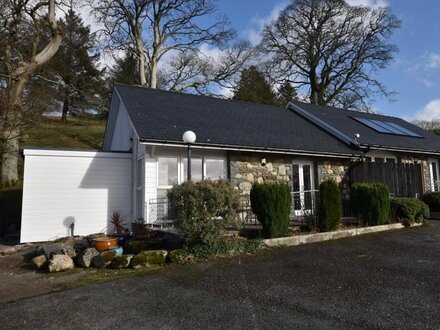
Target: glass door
(303, 192)
(434, 174)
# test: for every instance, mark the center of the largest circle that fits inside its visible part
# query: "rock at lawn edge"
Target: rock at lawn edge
(68, 240)
(60, 262)
(57, 248)
(85, 259)
(5, 249)
(149, 258)
(39, 261)
(104, 258)
(122, 261)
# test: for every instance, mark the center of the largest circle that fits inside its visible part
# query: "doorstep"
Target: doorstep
(331, 235)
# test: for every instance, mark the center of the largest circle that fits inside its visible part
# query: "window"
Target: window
(379, 160)
(196, 169)
(167, 171)
(434, 174)
(204, 168)
(215, 169)
(386, 127)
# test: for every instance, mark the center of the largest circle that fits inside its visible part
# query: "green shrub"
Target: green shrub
(432, 200)
(370, 202)
(412, 209)
(204, 209)
(223, 248)
(330, 207)
(271, 204)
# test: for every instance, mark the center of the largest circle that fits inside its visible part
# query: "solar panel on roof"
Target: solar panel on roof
(386, 127)
(404, 130)
(373, 125)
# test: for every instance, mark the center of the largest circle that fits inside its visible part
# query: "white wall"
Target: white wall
(63, 186)
(123, 131)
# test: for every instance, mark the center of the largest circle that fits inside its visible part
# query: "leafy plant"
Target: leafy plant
(204, 209)
(330, 208)
(271, 203)
(370, 202)
(432, 200)
(411, 209)
(118, 222)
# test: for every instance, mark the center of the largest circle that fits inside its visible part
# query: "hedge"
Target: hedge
(411, 209)
(370, 202)
(330, 207)
(432, 200)
(271, 204)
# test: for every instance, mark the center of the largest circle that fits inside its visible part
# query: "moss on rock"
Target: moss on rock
(149, 258)
(181, 256)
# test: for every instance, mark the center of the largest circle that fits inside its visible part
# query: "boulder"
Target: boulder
(122, 261)
(57, 248)
(39, 261)
(149, 258)
(180, 256)
(104, 259)
(5, 249)
(60, 262)
(68, 240)
(85, 259)
(134, 246)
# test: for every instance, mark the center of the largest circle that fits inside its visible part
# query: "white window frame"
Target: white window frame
(431, 173)
(301, 163)
(204, 158)
(381, 154)
(178, 172)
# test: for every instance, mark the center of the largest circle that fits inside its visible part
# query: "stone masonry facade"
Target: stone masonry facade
(246, 169)
(336, 170)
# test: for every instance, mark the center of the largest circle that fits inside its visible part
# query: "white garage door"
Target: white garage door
(63, 187)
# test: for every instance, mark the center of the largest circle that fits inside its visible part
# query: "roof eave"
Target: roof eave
(226, 147)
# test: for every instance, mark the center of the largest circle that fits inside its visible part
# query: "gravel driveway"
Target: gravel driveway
(386, 280)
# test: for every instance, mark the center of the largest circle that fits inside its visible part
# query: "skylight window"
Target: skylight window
(386, 127)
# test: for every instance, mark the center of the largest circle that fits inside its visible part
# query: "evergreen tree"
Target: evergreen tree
(125, 70)
(80, 84)
(254, 88)
(286, 93)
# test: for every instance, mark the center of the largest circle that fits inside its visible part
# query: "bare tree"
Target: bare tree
(331, 50)
(192, 70)
(156, 28)
(22, 23)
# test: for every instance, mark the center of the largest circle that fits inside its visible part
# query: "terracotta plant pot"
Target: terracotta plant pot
(104, 243)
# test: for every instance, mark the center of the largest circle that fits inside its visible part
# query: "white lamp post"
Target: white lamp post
(189, 137)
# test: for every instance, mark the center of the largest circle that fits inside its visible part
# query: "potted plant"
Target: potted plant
(121, 233)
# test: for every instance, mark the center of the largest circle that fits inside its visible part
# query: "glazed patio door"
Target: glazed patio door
(302, 194)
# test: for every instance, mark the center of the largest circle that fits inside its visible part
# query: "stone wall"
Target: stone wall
(245, 169)
(336, 170)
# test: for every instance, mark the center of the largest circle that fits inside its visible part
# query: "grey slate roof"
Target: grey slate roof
(164, 116)
(342, 120)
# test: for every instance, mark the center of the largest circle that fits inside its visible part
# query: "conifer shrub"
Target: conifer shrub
(329, 206)
(271, 204)
(204, 209)
(412, 209)
(370, 202)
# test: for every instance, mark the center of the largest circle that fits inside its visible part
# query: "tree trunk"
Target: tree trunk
(140, 54)
(65, 108)
(12, 121)
(11, 134)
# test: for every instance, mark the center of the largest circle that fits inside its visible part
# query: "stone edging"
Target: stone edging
(331, 235)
